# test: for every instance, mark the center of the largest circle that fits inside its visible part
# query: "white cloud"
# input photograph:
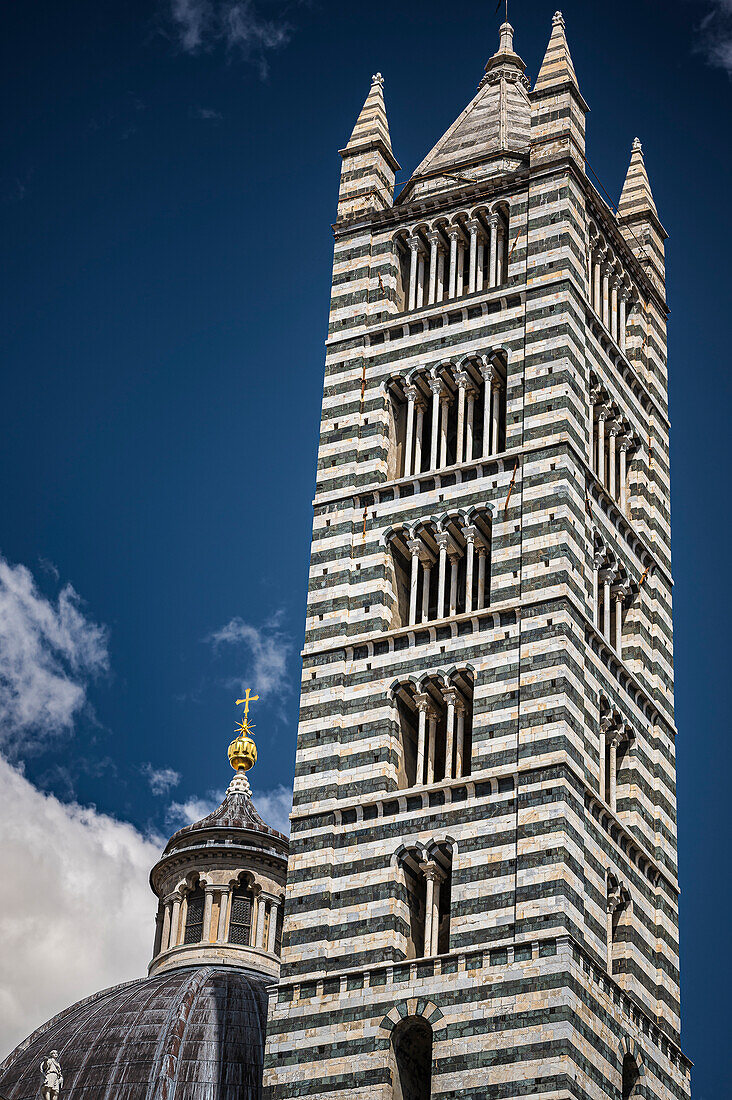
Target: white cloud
(161, 780)
(715, 37)
(238, 25)
(206, 114)
(274, 807)
(77, 912)
(193, 809)
(48, 652)
(268, 648)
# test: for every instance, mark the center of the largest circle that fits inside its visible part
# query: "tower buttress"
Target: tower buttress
(369, 166)
(639, 220)
(558, 108)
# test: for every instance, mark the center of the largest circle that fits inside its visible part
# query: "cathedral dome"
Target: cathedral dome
(191, 1033)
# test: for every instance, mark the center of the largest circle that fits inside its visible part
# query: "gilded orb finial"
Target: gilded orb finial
(242, 750)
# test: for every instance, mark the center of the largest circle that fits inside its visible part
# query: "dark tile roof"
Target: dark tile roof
(195, 1033)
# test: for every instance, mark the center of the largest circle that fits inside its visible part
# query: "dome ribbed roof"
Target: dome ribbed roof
(235, 812)
(194, 1033)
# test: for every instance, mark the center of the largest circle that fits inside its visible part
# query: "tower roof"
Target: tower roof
(372, 125)
(636, 197)
(497, 119)
(237, 811)
(557, 67)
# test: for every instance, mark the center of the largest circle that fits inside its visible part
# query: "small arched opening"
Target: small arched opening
(195, 900)
(411, 1059)
(631, 1076)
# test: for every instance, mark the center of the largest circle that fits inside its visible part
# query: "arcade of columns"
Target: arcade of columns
(174, 916)
(448, 260)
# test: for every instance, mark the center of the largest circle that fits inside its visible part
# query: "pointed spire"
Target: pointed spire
(557, 67)
(372, 125)
(637, 197)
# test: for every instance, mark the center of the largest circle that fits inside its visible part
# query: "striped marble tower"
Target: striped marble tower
(482, 892)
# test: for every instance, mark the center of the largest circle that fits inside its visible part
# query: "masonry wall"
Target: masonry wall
(523, 1001)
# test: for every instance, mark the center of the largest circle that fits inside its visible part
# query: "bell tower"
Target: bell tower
(482, 896)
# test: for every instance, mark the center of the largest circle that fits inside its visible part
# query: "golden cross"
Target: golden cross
(249, 698)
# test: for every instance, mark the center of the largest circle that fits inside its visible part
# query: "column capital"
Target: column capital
(470, 533)
(414, 243)
(450, 695)
(488, 371)
(437, 386)
(463, 379)
(454, 232)
(608, 575)
(430, 870)
(411, 392)
(423, 701)
(627, 443)
(434, 236)
(473, 225)
(616, 429)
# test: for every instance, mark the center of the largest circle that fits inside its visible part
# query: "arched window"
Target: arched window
(411, 1059)
(428, 882)
(631, 1076)
(240, 923)
(194, 915)
(435, 728)
(440, 568)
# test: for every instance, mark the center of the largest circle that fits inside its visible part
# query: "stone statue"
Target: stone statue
(52, 1080)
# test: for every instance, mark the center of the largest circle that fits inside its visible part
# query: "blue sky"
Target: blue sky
(170, 177)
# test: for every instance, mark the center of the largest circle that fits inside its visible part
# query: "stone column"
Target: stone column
(500, 248)
(606, 268)
(440, 274)
(607, 576)
(450, 697)
(469, 421)
(428, 870)
(604, 416)
(460, 285)
(493, 255)
(614, 308)
(470, 534)
(482, 557)
(413, 243)
(435, 913)
(473, 227)
(415, 549)
(442, 539)
(595, 399)
(175, 920)
(495, 414)
(426, 575)
(613, 777)
(597, 559)
(596, 267)
(259, 935)
(454, 559)
(423, 705)
(411, 394)
(605, 724)
(431, 745)
(452, 278)
(463, 382)
(274, 912)
(444, 409)
(434, 239)
(460, 740)
(480, 263)
(622, 318)
(436, 388)
(489, 375)
(207, 907)
(165, 937)
(625, 445)
(418, 433)
(615, 430)
(221, 935)
(622, 591)
(420, 279)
